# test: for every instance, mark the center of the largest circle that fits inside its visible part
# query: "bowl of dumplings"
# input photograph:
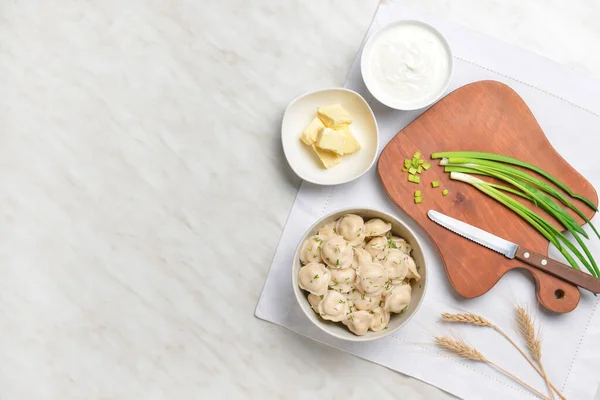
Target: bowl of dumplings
(359, 274)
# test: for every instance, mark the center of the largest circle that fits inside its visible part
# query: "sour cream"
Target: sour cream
(407, 65)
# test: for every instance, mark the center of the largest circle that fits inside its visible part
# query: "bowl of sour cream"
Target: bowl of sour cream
(407, 65)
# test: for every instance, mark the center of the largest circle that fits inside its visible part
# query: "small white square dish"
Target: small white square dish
(304, 160)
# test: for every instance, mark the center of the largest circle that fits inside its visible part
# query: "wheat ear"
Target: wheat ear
(534, 344)
(462, 349)
(474, 319)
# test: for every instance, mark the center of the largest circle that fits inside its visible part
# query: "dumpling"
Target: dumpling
(398, 300)
(371, 279)
(333, 307)
(376, 245)
(401, 244)
(393, 260)
(337, 253)
(342, 279)
(358, 322)
(314, 301)
(328, 231)
(352, 228)
(388, 287)
(380, 319)
(412, 268)
(311, 250)
(361, 301)
(377, 227)
(314, 278)
(361, 256)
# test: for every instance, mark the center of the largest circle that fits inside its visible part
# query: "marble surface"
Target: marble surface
(144, 188)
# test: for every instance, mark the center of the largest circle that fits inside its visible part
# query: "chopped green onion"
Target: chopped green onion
(420, 170)
(445, 192)
(407, 163)
(417, 155)
(418, 193)
(426, 166)
(418, 200)
(435, 184)
(412, 170)
(404, 169)
(421, 162)
(414, 178)
(415, 162)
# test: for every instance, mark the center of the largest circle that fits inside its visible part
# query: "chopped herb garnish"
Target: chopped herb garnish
(316, 276)
(337, 262)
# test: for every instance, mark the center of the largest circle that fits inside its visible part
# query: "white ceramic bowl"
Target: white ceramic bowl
(399, 103)
(337, 329)
(302, 158)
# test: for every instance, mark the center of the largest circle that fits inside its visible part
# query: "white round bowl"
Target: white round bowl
(403, 104)
(303, 159)
(337, 329)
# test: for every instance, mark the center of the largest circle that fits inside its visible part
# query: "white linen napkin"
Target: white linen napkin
(566, 106)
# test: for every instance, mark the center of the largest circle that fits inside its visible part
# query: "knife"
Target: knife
(512, 250)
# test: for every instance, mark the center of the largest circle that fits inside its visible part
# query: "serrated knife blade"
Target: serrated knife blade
(479, 236)
(512, 250)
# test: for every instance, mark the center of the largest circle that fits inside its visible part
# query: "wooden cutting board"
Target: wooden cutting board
(491, 117)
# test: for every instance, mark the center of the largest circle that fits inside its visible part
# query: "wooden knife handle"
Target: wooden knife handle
(560, 270)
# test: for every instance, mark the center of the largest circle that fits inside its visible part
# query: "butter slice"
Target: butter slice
(328, 158)
(332, 140)
(334, 116)
(310, 133)
(351, 145)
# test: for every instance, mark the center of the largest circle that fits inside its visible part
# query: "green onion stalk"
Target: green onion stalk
(553, 235)
(515, 173)
(509, 160)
